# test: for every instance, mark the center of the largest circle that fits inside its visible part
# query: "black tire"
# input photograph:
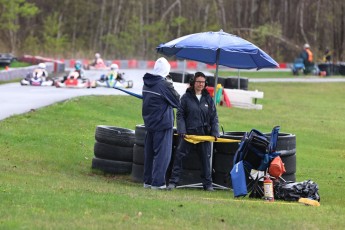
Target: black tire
(177, 77)
(286, 143)
(113, 152)
(112, 167)
(222, 163)
(137, 174)
(229, 148)
(232, 83)
(115, 135)
(190, 177)
(222, 179)
(140, 133)
(289, 163)
(138, 154)
(211, 80)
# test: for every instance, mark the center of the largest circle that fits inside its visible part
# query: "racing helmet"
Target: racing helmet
(77, 65)
(97, 55)
(41, 66)
(114, 66)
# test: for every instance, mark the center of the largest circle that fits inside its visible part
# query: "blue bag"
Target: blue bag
(238, 178)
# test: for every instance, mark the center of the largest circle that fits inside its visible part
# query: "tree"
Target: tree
(10, 12)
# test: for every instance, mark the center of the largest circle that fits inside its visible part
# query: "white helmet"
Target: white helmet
(97, 55)
(114, 66)
(41, 66)
(306, 46)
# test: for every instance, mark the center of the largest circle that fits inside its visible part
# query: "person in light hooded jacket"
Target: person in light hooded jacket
(159, 99)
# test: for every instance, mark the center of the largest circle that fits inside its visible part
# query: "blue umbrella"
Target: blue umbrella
(218, 48)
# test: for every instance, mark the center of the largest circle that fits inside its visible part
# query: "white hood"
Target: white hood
(162, 67)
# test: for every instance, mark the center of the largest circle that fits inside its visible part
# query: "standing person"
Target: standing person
(197, 115)
(159, 99)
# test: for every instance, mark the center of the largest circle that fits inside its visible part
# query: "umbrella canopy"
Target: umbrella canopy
(218, 48)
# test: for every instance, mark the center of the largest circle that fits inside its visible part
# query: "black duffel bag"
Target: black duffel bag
(293, 191)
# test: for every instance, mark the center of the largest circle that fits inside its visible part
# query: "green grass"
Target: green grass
(46, 181)
(16, 64)
(265, 74)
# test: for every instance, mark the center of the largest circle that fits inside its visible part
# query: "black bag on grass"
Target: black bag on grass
(292, 191)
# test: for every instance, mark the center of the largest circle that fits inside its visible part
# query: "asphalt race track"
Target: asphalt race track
(17, 99)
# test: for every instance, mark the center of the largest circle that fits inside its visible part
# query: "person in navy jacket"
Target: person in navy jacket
(159, 99)
(197, 115)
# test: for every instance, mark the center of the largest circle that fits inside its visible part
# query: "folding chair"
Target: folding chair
(255, 152)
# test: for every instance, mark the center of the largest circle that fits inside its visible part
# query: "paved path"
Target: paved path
(17, 99)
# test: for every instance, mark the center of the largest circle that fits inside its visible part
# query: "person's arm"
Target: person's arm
(171, 95)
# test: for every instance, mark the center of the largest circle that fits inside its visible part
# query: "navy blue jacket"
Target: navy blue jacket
(197, 117)
(159, 99)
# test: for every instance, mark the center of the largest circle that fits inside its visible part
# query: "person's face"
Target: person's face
(199, 83)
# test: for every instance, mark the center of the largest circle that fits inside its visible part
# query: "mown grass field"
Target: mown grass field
(46, 180)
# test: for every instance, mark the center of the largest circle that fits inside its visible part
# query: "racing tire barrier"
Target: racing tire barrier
(211, 80)
(178, 76)
(232, 83)
(286, 145)
(137, 174)
(113, 149)
(223, 157)
(115, 135)
(111, 166)
(140, 133)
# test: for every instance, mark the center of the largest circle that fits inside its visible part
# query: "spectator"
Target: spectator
(327, 57)
(197, 115)
(159, 99)
(307, 57)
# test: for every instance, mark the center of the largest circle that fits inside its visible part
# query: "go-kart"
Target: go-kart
(97, 66)
(73, 80)
(119, 82)
(37, 79)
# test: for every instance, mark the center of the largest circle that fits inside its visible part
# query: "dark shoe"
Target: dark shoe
(209, 189)
(171, 187)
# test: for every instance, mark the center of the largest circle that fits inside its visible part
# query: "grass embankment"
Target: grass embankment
(46, 181)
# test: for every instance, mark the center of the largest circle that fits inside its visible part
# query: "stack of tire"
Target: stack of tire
(113, 149)
(223, 157)
(191, 163)
(137, 174)
(286, 145)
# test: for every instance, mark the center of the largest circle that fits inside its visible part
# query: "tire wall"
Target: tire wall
(113, 150)
(286, 145)
(223, 156)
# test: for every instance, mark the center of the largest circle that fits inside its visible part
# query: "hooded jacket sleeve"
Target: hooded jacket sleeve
(171, 95)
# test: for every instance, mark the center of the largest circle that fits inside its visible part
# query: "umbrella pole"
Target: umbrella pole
(238, 79)
(216, 79)
(184, 70)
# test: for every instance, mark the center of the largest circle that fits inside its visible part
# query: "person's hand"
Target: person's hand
(215, 138)
(182, 135)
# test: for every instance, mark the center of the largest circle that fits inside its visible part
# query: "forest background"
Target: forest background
(131, 29)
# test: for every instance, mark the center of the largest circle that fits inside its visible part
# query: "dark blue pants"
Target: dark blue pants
(204, 152)
(158, 147)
